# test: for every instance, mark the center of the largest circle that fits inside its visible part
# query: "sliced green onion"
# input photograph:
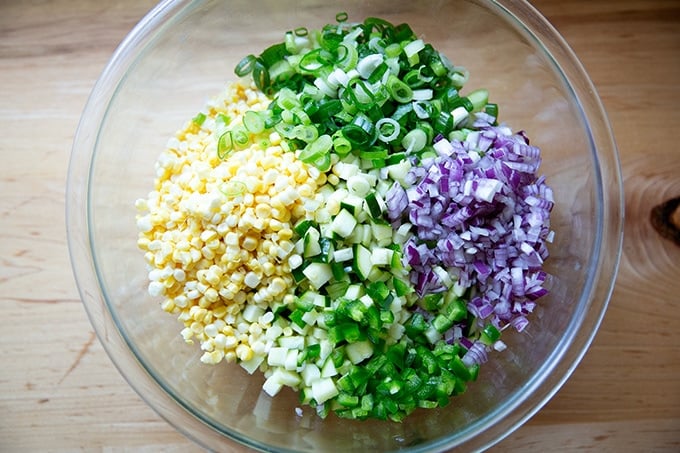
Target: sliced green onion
(358, 95)
(280, 70)
(328, 108)
(424, 94)
(199, 119)
(374, 153)
(368, 64)
(403, 32)
(491, 109)
(300, 116)
(353, 35)
(426, 127)
(225, 145)
(478, 99)
(312, 92)
(287, 99)
(413, 79)
(245, 66)
(399, 91)
(348, 57)
(222, 120)
(306, 133)
(341, 16)
(443, 123)
(377, 44)
(490, 334)
(448, 97)
(360, 132)
(253, 122)
(345, 116)
(233, 189)
(355, 135)
(459, 78)
(316, 149)
(388, 129)
(240, 136)
(285, 130)
(411, 51)
(380, 98)
(380, 25)
(287, 116)
(458, 135)
(290, 42)
(310, 107)
(331, 41)
(459, 114)
(364, 95)
(419, 108)
(314, 60)
(461, 102)
(437, 67)
(323, 163)
(402, 113)
(324, 86)
(378, 73)
(341, 145)
(260, 75)
(393, 50)
(273, 54)
(414, 140)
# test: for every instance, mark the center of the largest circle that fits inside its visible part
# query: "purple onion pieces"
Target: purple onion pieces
(482, 204)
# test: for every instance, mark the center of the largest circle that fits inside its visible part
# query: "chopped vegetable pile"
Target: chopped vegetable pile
(349, 223)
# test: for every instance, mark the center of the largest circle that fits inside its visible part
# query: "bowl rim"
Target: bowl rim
(609, 218)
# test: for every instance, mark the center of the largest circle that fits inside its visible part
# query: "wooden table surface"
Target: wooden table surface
(59, 390)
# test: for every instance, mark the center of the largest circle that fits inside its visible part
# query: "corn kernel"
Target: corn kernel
(277, 286)
(181, 301)
(210, 330)
(250, 243)
(211, 295)
(231, 238)
(285, 234)
(168, 305)
(207, 253)
(243, 352)
(204, 303)
(255, 329)
(220, 341)
(251, 280)
(225, 341)
(240, 297)
(212, 278)
(275, 225)
(305, 191)
(196, 327)
(258, 347)
(266, 318)
(208, 235)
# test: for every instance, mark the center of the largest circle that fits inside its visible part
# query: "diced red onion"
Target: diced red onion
(482, 204)
(476, 354)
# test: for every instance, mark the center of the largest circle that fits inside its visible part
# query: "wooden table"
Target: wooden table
(59, 390)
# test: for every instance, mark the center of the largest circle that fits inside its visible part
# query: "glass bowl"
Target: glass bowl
(180, 55)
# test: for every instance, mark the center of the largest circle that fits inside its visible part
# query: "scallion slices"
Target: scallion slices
(348, 223)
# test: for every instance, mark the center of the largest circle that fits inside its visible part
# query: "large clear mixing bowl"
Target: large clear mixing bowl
(181, 54)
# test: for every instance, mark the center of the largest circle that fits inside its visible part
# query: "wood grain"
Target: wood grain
(60, 392)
